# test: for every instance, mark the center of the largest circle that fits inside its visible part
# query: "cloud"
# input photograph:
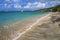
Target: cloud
(7, 0)
(55, 2)
(6, 5)
(16, 0)
(39, 5)
(17, 6)
(12, 1)
(52, 3)
(35, 5)
(9, 4)
(28, 5)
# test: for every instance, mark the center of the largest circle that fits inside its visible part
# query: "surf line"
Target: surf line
(30, 26)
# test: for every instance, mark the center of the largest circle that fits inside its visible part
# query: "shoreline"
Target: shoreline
(30, 26)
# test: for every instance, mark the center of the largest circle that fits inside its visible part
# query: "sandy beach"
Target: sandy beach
(34, 24)
(29, 26)
(43, 30)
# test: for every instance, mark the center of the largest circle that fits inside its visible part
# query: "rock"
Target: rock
(55, 19)
(59, 25)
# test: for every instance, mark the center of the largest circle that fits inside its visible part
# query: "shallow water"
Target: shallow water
(14, 22)
(7, 18)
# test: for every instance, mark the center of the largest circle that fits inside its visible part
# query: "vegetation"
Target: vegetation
(56, 8)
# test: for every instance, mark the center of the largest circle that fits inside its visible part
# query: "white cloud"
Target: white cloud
(16, 0)
(7, 0)
(55, 2)
(39, 5)
(7, 5)
(35, 5)
(28, 5)
(17, 6)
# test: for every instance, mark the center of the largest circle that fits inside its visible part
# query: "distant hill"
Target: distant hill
(52, 9)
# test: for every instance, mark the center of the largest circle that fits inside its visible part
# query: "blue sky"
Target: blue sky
(17, 5)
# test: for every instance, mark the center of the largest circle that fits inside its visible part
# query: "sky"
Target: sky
(17, 5)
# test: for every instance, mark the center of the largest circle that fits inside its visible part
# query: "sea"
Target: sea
(18, 20)
(11, 17)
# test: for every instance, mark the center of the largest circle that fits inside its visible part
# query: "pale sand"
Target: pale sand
(33, 24)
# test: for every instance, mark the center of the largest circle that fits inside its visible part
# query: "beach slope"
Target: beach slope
(48, 28)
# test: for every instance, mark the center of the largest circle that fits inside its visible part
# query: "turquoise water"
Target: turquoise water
(10, 17)
(12, 23)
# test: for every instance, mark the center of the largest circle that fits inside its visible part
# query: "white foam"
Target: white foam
(5, 27)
